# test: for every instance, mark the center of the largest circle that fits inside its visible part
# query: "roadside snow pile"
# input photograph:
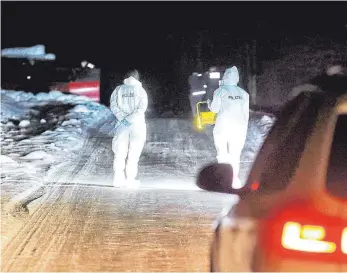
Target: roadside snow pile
(18, 96)
(21, 96)
(81, 109)
(11, 109)
(6, 160)
(259, 126)
(71, 122)
(55, 119)
(19, 105)
(38, 132)
(38, 155)
(37, 52)
(24, 123)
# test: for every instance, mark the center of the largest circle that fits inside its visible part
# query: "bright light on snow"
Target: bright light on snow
(214, 75)
(197, 93)
(199, 75)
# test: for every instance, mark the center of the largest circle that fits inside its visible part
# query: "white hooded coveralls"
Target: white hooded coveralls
(128, 103)
(231, 103)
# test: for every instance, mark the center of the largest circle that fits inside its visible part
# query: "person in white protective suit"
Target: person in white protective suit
(231, 103)
(128, 103)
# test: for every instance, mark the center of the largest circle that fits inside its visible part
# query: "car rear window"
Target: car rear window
(282, 149)
(336, 182)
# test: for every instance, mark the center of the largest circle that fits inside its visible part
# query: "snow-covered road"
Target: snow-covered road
(58, 147)
(170, 160)
(65, 139)
(172, 156)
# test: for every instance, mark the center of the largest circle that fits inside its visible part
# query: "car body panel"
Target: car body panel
(254, 209)
(233, 245)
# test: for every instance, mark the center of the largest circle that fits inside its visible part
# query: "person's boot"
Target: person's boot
(237, 184)
(119, 181)
(133, 184)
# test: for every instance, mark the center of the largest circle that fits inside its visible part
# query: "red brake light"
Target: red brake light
(344, 241)
(255, 186)
(306, 238)
(301, 232)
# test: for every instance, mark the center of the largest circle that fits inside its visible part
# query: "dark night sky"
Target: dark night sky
(136, 33)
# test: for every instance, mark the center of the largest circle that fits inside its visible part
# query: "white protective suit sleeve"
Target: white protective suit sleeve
(129, 101)
(217, 101)
(141, 109)
(114, 105)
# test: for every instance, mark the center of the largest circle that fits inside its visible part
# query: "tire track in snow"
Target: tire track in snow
(186, 151)
(102, 229)
(53, 194)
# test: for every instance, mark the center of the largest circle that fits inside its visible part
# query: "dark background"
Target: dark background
(153, 36)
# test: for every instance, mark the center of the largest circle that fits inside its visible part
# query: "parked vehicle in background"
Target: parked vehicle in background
(31, 70)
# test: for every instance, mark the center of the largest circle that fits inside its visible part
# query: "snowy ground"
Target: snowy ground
(38, 132)
(59, 146)
(43, 135)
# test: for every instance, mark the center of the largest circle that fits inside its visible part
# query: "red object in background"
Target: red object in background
(88, 89)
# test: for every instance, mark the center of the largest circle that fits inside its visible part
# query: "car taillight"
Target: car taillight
(344, 241)
(300, 231)
(306, 238)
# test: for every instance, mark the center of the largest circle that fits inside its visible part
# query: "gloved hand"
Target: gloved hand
(125, 123)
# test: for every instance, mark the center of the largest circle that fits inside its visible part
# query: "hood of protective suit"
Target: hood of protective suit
(132, 81)
(231, 76)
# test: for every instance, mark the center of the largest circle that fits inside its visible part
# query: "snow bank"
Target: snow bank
(38, 133)
(35, 126)
(259, 126)
(18, 96)
(10, 125)
(38, 155)
(17, 104)
(52, 95)
(81, 109)
(5, 159)
(24, 124)
(37, 52)
(11, 109)
(21, 96)
(71, 122)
